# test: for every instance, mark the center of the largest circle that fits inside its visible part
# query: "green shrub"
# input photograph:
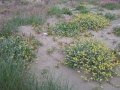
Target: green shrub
(84, 11)
(111, 6)
(116, 30)
(66, 11)
(110, 16)
(92, 57)
(91, 21)
(16, 49)
(80, 7)
(65, 29)
(54, 10)
(80, 23)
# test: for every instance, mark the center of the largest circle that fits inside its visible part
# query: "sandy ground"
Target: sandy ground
(46, 61)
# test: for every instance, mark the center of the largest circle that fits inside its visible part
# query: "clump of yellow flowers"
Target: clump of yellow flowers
(16, 48)
(92, 57)
(91, 21)
(80, 23)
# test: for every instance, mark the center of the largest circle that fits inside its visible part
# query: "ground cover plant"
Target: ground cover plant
(116, 30)
(66, 11)
(16, 48)
(82, 9)
(94, 58)
(80, 23)
(110, 16)
(55, 10)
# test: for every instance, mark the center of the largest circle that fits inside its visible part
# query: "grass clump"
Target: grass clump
(11, 26)
(66, 11)
(94, 58)
(15, 77)
(54, 10)
(116, 30)
(110, 16)
(80, 23)
(111, 6)
(82, 9)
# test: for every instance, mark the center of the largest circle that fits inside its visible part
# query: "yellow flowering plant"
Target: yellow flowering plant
(79, 23)
(92, 57)
(15, 48)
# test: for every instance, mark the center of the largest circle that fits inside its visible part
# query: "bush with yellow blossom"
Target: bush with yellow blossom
(92, 57)
(80, 23)
(15, 48)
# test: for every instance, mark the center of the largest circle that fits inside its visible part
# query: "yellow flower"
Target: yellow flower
(101, 86)
(78, 71)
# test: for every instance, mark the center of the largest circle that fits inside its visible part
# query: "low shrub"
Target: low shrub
(92, 57)
(91, 21)
(80, 7)
(16, 49)
(84, 11)
(110, 16)
(116, 30)
(66, 11)
(80, 23)
(55, 10)
(65, 29)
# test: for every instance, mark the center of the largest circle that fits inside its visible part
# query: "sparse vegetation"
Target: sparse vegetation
(82, 9)
(110, 16)
(55, 10)
(37, 29)
(84, 53)
(66, 11)
(50, 51)
(116, 30)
